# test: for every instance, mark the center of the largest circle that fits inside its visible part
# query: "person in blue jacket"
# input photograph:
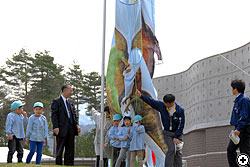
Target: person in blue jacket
(36, 132)
(115, 143)
(137, 146)
(125, 136)
(173, 120)
(15, 130)
(240, 119)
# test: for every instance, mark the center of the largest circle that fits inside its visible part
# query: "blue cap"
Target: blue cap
(117, 117)
(137, 118)
(38, 104)
(15, 105)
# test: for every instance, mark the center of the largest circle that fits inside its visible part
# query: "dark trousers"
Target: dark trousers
(173, 157)
(115, 155)
(244, 146)
(15, 145)
(105, 161)
(67, 142)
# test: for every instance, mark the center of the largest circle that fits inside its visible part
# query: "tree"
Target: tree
(5, 103)
(47, 79)
(92, 91)
(17, 74)
(75, 77)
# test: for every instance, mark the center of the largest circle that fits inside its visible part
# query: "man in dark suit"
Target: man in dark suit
(65, 125)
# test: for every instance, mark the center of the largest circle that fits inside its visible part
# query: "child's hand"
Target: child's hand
(133, 121)
(106, 145)
(28, 141)
(126, 138)
(44, 141)
(116, 137)
(10, 137)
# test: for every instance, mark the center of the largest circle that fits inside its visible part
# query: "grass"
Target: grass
(28, 165)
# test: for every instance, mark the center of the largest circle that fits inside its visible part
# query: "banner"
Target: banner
(131, 66)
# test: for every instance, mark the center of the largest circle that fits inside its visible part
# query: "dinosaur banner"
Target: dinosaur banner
(131, 66)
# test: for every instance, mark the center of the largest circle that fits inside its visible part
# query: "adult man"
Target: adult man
(65, 125)
(173, 120)
(240, 119)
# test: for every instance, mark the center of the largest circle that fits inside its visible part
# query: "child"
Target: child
(125, 136)
(137, 146)
(115, 143)
(36, 133)
(15, 130)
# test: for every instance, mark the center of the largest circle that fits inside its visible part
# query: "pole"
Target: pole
(102, 83)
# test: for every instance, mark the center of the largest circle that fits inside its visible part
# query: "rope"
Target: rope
(235, 65)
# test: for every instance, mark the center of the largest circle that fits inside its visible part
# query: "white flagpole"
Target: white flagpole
(102, 83)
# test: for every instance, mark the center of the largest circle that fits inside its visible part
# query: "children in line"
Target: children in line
(125, 136)
(36, 133)
(137, 146)
(15, 130)
(115, 143)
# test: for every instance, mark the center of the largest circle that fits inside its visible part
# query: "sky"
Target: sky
(187, 30)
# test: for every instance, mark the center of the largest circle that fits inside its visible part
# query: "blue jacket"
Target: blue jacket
(241, 112)
(113, 132)
(37, 128)
(137, 142)
(178, 118)
(124, 133)
(15, 125)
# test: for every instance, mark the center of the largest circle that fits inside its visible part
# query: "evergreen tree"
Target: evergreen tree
(17, 74)
(5, 103)
(92, 91)
(75, 77)
(47, 79)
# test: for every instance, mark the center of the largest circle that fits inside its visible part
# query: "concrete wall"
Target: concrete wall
(205, 93)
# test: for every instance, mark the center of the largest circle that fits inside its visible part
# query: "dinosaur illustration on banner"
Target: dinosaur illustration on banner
(131, 66)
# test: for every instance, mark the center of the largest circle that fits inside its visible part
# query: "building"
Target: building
(205, 93)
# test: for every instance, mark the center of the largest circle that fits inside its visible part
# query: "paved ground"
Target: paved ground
(4, 153)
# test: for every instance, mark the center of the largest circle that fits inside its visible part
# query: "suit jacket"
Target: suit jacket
(60, 117)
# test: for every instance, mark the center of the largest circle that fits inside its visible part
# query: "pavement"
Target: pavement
(4, 153)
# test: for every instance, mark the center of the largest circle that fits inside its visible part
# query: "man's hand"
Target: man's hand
(27, 141)
(116, 137)
(78, 129)
(24, 114)
(56, 131)
(44, 141)
(176, 141)
(10, 137)
(128, 130)
(106, 145)
(138, 93)
(237, 133)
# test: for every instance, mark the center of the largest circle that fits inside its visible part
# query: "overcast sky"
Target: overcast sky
(187, 30)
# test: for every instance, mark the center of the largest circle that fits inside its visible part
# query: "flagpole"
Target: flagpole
(102, 83)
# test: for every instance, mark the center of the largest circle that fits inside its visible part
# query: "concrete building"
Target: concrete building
(205, 93)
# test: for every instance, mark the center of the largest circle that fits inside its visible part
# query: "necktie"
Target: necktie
(69, 112)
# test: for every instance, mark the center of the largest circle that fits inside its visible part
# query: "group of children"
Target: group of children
(127, 141)
(36, 132)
